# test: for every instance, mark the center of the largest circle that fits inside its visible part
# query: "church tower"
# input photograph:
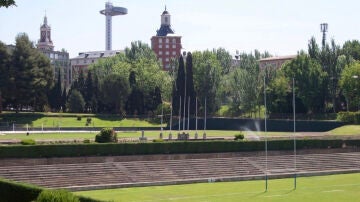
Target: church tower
(45, 42)
(166, 44)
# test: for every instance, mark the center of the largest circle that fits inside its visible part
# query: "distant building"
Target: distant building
(59, 59)
(84, 59)
(274, 62)
(166, 44)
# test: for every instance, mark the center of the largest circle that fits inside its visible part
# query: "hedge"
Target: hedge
(15, 191)
(176, 147)
(350, 117)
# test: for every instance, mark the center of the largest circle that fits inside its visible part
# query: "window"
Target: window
(160, 52)
(160, 46)
(160, 40)
(167, 46)
(174, 40)
(85, 61)
(167, 52)
(167, 59)
(173, 46)
(173, 53)
(166, 20)
(160, 59)
(167, 40)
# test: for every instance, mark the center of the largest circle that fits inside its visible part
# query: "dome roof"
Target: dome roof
(165, 12)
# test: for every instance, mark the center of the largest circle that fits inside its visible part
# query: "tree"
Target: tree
(351, 49)
(225, 59)
(135, 101)
(7, 3)
(279, 94)
(4, 70)
(207, 76)
(76, 102)
(55, 97)
(190, 89)
(350, 85)
(116, 89)
(88, 91)
(309, 81)
(179, 87)
(30, 75)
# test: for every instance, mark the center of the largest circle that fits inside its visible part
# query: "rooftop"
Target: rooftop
(98, 54)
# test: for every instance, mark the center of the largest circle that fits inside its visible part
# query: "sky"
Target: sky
(282, 27)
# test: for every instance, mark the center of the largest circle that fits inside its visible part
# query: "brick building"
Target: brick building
(166, 44)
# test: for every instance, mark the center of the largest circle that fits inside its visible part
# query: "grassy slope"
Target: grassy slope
(323, 188)
(346, 130)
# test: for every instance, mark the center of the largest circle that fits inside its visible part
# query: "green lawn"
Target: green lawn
(131, 134)
(346, 130)
(323, 188)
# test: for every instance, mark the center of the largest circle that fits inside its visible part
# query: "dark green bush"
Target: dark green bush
(239, 136)
(13, 191)
(176, 147)
(158, 140)
(56, 196)
(106, 135)
(28, 142)
(78, 118)
(350, 117)
(86, 141)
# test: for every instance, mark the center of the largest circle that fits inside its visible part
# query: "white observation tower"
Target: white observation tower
(110, 11)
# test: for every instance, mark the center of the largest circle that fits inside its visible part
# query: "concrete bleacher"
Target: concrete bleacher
(98, 173)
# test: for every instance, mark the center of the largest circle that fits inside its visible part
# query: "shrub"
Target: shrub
(56, 196)
(78, 118)
(86, 141)
(106, 135)
(28, 142)
(239, 136)
(158, 140)
(88, 121)
(350, 117)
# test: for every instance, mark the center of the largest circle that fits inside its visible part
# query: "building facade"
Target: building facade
(84, 59)
(59, 59)
(166, 44)
(274, 62)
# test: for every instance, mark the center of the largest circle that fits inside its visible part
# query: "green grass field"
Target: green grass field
(344, 187)
(344, 130)
(129, 134)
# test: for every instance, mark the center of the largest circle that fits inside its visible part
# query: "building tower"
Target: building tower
(45, 42)
(59, 60)
(110, 11)
(166, 44)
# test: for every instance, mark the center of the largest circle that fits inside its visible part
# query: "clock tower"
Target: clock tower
(166, 44)
(45, 42)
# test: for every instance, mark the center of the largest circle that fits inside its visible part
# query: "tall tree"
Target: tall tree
(88, 91)
(309, 78)
(116, 90)
(190, 89)
(30, 75)
(4, 70)
(55, 97)
(179, 87)
(75, 102)
(351, 49)
(350, 85)
(207, 76)
(225, 59)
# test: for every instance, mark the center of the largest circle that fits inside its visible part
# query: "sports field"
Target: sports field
(345, 187)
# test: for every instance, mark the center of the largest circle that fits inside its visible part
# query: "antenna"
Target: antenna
(323, 29)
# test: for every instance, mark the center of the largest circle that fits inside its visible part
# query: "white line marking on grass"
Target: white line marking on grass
(277, 195)
(335, 190)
